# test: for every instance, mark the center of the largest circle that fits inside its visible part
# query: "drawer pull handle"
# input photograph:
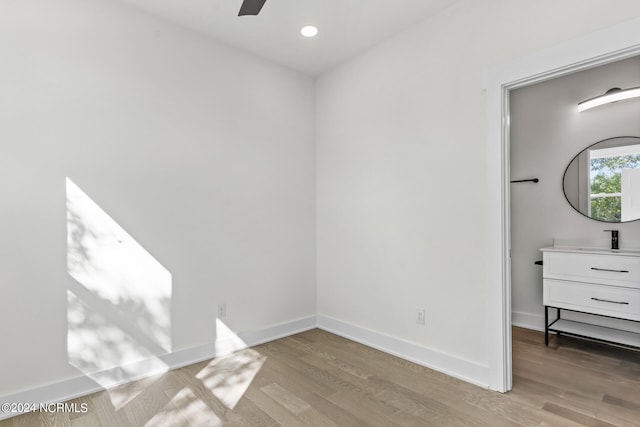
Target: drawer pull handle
(606, 269)
(612, 302)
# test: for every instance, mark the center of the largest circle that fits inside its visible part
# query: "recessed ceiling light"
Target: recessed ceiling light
(309, 31)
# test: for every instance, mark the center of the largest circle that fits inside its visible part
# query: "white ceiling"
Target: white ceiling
(347, 27)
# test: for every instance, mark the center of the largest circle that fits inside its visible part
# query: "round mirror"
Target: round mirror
(603, 181)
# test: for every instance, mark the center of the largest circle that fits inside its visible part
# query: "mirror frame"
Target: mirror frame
(575, 158)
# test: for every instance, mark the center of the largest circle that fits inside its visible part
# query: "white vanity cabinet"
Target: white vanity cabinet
(595, 281)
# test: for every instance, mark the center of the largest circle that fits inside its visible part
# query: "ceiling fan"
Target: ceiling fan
(251, 7)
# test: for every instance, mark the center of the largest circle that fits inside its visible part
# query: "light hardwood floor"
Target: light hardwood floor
(319, 379)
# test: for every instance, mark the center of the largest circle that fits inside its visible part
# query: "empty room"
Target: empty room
(319, 212)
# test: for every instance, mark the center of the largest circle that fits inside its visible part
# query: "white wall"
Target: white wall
(547, 131)
(204, 155)
(401, 171)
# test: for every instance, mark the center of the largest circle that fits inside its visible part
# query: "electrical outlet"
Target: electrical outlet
(222, 310)
(420, 316)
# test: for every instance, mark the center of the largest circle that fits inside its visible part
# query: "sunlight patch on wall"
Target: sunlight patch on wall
(102, 349)
(226, 340)
(119, 309)
(119, 319)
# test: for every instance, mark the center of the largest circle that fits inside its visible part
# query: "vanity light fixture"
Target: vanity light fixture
(612, 95)
(309, 31)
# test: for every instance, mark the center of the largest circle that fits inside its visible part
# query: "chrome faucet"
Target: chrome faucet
(614, 239)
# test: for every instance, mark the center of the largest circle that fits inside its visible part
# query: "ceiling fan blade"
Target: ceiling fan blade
(251, 7)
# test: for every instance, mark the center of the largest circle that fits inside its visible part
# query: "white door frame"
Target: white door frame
(599, 48)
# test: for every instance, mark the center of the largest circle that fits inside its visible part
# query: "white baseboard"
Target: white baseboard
(457, 367)
(279, 331)
(84, 385)
(453, 366)
(527, 320)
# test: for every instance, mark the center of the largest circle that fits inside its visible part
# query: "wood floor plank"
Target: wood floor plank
(319, 379)
(440, 407)
(277, 411)
(285, 398)
(313, 418)
(575, 416)
(101, 404)
(539, 393)
(365, 408)
(88, 420)
(253, 415)
(622, 403)
(293, 371)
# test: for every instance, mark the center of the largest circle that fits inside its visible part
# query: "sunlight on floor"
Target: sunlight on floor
(205, 398)
(120, 397)
(229, 377)
(193, 409)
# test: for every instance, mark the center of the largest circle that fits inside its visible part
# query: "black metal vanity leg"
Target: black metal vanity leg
(546, 325)
(557, 318)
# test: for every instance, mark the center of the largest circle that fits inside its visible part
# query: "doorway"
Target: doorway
(600, 48)
(548, 141)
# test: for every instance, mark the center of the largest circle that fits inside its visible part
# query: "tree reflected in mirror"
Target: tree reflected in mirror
(603, 181)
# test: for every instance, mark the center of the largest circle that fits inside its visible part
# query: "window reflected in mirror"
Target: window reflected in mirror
(603, 181)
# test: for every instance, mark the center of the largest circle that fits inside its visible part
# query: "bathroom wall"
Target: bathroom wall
(547, 131)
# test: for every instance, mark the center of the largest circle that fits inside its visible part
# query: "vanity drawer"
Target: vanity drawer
(595, 268)
(590, 298)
